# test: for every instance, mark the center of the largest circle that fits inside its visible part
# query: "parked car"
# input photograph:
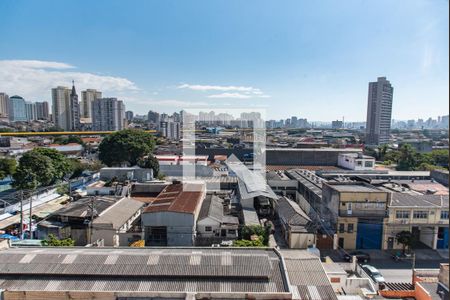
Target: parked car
(360, 256)
(374, 274)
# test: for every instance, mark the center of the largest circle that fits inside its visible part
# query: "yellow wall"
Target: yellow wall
(434, 216)
(349, 238)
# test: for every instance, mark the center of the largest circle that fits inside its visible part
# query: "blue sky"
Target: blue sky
(310, 59)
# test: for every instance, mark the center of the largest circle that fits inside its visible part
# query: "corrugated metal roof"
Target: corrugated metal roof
(427, 201)
(291, 213)
(310, 279)
(185, 198)
(176, 269)
(119, 213)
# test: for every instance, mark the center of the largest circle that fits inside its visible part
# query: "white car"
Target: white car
(374, 273)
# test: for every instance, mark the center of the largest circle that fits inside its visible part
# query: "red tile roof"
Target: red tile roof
(184, 198)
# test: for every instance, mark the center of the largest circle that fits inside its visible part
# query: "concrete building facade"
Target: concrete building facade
(359, 213)
(171, 219)
(425, 216)
(4, 105)
(42, 112)
(356, 161)
(108, 114)
(17, 109)
(379, 112)
(87, 97)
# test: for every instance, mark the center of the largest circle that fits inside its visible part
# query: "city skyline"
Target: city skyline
(286, 56)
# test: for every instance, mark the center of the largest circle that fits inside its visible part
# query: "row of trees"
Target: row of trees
(408, 159)
(46, 166)
(42, 167)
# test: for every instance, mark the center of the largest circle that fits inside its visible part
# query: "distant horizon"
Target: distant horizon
(207, 110)
(309, 59)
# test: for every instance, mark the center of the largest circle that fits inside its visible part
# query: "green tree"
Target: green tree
(248, 243)
(35, 169)
(405, 238)
(382, 151)
(64, 140)
(428, 167)
(60, 163)
(55, 242)
(407, 159)
(370, 152)
(263, 232)
(7, 167)
(125, 146)
(440, 157)
(150, 162)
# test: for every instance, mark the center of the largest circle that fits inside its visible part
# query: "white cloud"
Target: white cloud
(229, 91)
(230, 95)
(34, 79)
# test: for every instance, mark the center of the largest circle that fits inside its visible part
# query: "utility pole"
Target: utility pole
(413, 266)
(31, 219)
(21, 214)
(92, 219)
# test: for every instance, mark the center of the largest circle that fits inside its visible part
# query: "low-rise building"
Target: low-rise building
(359, 210)
(171, 219)
(281, 184)
(89, 219)
(161, 273)
(213, 225)
(356, 161)
(68, 149)
(126, 173)
(296, 227)
(119, 225)
(425, 216)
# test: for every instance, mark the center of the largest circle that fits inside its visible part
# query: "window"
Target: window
(444, 214)
(420, 214)
(208, 228)
(368, 164)
(232, 231)
(350, 228)
(341, 228)
(359, 163)
(402, 214)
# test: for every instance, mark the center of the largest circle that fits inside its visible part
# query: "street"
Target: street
(399, 271)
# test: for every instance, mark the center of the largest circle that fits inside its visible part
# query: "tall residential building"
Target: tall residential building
(17, 109)
(129, 115)
(154, 119)
(4, 105)
(60, 106)
(108, 114)
(42, 110)
(170, 129)
(87, 97)
(65, 108)
(337, 124)
(379, 112)
(30, 111)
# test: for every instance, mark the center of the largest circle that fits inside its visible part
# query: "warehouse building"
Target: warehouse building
(161, 273)
(171, 219)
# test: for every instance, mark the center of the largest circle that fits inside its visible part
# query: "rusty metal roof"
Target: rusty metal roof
(184, 198)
